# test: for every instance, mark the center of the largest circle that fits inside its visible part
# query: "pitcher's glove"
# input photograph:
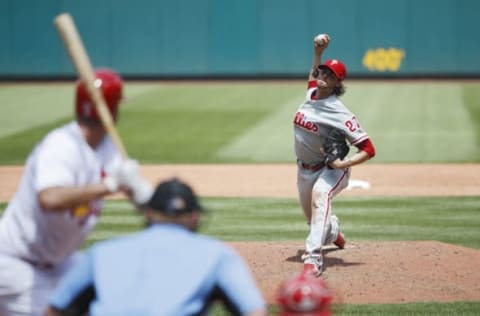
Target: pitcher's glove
(335, 146)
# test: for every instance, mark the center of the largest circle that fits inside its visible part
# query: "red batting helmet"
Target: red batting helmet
(110, 84)
(337, 67)
(304, 294)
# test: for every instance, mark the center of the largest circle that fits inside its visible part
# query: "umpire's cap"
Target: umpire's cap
(173, 197)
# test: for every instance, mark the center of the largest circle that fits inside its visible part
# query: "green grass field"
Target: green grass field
(210, 122)
(266, 219)
(213, 122)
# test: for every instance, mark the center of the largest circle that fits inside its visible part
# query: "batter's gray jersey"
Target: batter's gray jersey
(63, 158)
(315, 118)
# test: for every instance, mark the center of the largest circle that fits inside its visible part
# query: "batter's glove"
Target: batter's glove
(126, 174)
(335, 146)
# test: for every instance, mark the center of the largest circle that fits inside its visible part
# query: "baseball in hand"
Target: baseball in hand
(322, 39)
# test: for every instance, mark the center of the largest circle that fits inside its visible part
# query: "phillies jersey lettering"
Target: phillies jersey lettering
(302, 122)
(313, 121)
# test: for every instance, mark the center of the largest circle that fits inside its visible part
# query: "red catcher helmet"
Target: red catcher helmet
(337, 67)
(110, 84)
(304, 294)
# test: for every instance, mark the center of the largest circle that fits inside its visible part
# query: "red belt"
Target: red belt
(312, 167)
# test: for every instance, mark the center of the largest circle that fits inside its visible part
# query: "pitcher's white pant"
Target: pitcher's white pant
(25, 288)
(316, 190)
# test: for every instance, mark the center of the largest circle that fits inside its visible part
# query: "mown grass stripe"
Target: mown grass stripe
(412, 121)
(250, 146)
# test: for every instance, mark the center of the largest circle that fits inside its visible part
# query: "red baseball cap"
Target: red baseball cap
(337, 67)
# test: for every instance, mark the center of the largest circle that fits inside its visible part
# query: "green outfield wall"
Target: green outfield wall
(244, 38)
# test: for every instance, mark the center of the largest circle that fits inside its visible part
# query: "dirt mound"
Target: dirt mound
(375, 272)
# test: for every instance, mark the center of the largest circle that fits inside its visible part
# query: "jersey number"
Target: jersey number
(352, 124)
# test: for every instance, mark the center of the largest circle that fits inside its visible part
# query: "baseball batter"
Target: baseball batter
(319, 181)
(58, 201)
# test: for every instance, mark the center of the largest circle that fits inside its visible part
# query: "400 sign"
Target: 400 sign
(382, 59)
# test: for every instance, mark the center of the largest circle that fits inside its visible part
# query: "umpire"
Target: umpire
(167, 269)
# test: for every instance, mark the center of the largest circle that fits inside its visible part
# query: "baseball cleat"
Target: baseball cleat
(312, 263)
(340, 241)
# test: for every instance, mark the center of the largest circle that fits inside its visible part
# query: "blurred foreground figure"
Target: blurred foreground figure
(59, 199)
(167, 269)
(306, 295)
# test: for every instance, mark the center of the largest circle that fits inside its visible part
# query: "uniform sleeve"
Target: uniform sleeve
(54, 163)
(236, 282)
(311, 87)
(75, 290)
(353, 129)
(367, 146)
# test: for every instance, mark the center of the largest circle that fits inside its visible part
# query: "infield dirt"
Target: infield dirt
(364, 272)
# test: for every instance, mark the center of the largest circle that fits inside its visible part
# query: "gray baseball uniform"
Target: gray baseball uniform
(316, 183)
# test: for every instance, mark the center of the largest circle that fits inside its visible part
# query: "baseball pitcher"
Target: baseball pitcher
(322, 127)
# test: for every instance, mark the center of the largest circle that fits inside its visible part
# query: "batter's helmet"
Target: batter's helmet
(304, 295)
(337, 67)
(111, 86)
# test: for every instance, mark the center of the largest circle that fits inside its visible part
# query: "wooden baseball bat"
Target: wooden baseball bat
(73, 43)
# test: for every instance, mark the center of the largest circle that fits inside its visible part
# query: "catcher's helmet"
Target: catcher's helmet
(337, 67)
(304, 294)
(111, 86)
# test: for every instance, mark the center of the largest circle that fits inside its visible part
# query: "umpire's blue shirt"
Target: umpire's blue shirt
(164, 270)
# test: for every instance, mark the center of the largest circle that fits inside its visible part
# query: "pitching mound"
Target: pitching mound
(375, 272)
